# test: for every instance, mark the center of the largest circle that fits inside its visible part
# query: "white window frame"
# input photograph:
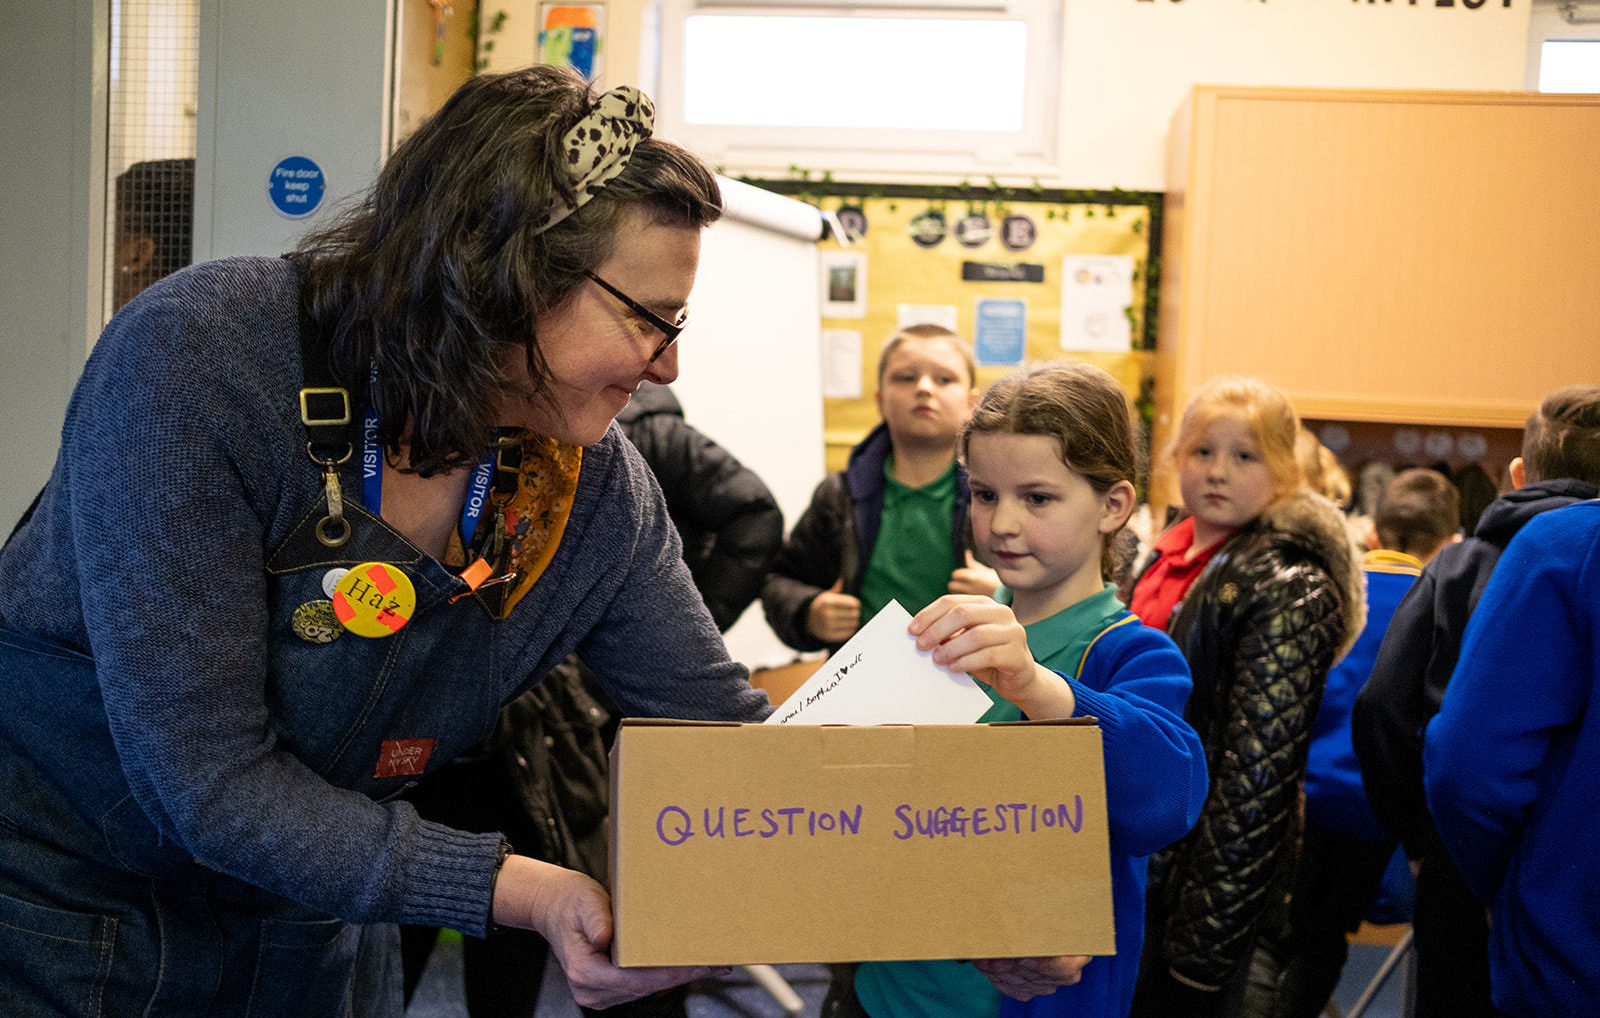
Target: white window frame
(1590, 47)
(1030, 151)
(1549, 21)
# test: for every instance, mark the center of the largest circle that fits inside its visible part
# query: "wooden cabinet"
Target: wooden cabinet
(1402, 256)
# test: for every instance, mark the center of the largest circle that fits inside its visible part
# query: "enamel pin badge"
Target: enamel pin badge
(315, 622)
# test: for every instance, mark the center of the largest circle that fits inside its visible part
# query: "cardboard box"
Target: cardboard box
(737, 844)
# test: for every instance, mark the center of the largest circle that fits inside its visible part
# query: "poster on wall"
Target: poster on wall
(999, 337)
(1096, 291)
(999, 288)
(841, 364)
(573, 35)
(844, 284)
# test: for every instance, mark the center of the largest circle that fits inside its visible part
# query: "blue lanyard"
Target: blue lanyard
(477, 497)
(372, 476)
(371, 454)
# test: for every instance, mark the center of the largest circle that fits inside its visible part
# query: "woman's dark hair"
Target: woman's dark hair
(1080, 406)
(440, 270)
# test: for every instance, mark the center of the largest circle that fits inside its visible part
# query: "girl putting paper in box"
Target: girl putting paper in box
(1051, 458)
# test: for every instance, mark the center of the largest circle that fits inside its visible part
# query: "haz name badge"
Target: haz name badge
(374, 599)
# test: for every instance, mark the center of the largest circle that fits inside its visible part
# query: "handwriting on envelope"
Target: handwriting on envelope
(880, 677)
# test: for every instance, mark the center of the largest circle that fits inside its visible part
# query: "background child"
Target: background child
(1510, 759)
(1051, 462)
(1345, 852)
(154, 225)
(892, 525)
(1270, 596)
(1559, 465)
(1326, 476)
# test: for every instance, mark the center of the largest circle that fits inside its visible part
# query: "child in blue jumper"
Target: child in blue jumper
(1051, 459)
(1559, 466)
(1510, 761)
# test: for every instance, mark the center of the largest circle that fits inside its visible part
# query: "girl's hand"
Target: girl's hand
(1024, 978)
(979, 636)
(573, 913)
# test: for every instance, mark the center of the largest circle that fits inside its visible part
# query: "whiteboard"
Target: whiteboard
(750, 365)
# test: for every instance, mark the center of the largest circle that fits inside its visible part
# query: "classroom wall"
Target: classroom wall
(1130, 64)
(515, 41)
(1547, 22)
(1337, 243)
(429, 64)
(1129, 61)
(52, 218)
(1126, 65)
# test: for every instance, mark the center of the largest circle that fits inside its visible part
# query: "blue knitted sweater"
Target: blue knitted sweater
(170, 548)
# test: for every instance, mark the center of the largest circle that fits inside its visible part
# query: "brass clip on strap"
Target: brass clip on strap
(325, 412)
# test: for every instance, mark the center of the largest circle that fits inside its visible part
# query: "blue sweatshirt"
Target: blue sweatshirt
(1510, 761)
(1335, 798)
(1134, 680)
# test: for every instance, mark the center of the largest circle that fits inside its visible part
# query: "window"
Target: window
(1569, 65)
(962, 86)
(150, 144)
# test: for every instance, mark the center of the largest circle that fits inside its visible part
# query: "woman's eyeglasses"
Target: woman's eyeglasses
(669, 330)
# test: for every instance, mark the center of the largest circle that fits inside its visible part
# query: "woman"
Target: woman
(235, 630)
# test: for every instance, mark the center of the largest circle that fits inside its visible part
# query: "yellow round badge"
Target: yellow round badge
(374, 599)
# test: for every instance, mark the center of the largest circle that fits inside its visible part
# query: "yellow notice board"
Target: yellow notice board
(1025, 275)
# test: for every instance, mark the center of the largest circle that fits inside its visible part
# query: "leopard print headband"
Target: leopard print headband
(599, 145)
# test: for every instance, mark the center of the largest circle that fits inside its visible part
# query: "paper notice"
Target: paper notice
(880, 677)
(1096, 291)
(841, 363)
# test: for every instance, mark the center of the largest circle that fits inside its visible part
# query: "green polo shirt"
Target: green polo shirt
(953, 989)
(913, 557)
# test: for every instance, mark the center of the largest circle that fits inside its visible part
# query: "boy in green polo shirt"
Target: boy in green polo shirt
(893, 524)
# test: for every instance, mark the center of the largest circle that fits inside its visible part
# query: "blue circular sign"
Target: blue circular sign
(295, 186)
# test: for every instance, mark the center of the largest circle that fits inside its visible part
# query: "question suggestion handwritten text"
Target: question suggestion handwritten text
(677, 825)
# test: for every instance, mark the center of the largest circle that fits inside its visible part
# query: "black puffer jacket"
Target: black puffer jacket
(729, 520)
(1275, 607)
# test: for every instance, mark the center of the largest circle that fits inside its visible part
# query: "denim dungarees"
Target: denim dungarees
(104, 916)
